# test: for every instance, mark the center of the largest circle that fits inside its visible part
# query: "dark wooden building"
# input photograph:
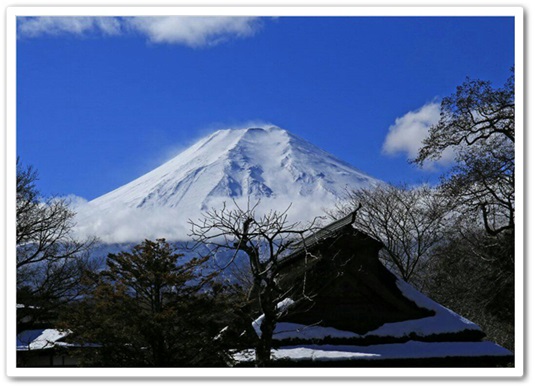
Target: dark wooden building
(347, 309)
(349, 286)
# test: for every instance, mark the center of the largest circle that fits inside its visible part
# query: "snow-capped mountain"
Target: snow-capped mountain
(266, 163)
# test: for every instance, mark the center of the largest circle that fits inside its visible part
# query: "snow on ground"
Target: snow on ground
(408, 350)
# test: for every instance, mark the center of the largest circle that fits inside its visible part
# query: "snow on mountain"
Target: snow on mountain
(266, 163)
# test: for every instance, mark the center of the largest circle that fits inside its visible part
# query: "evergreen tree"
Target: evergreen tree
(149, 308)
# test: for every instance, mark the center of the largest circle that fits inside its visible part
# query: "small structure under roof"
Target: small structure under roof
(44, 348)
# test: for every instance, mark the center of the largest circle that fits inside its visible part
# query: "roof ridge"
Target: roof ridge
(322, 233)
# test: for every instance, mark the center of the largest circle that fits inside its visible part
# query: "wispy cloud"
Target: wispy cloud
(58, 25)
(406, 135)
(125, 224)
(182, 30)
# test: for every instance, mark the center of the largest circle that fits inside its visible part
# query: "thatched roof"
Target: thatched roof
(310, 242)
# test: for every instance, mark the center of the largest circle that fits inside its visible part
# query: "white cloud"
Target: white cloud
(406, 135)
(57, 25)
(124, 224)
(184, 30)
(193, 31)
(74, 201)
(130, 224)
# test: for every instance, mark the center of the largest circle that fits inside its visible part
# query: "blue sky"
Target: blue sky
(102, 101)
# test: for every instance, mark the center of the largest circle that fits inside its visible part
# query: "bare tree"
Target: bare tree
(408, 221)
(50, 261)
(479, 122)
(265, 240)
(474, 113)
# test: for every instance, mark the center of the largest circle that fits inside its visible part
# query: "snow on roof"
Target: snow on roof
(39, 339)
(408, 350)
(443, 322)
(286, 330)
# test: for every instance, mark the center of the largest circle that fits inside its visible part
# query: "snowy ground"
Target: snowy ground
(408, 350)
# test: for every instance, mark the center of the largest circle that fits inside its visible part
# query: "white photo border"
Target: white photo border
(348, 11)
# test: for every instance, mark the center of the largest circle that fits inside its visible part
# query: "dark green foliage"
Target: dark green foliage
(149, 309)
(472, 274)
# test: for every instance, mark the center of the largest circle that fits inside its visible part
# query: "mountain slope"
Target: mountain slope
(268, 163)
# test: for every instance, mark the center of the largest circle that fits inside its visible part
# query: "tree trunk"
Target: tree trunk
(264, 346)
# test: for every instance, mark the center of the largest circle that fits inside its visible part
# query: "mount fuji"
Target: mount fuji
(263, 163)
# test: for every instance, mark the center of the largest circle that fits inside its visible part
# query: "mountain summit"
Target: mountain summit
(266, 163)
